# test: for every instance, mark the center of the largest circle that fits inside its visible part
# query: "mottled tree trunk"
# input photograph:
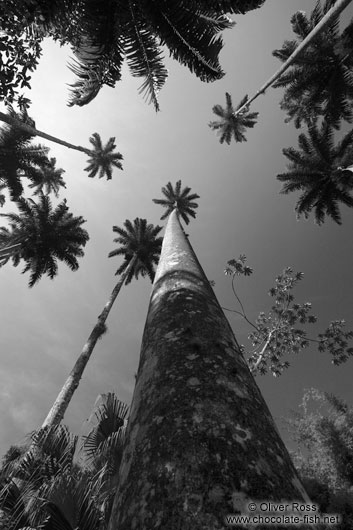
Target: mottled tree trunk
(34, 132)
(61, 403)
(201, 441)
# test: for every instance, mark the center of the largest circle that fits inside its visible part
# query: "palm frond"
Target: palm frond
(138, 242)
(179, 199)
(103, 158)
(44, 234)
(233, 122)
(318, 171)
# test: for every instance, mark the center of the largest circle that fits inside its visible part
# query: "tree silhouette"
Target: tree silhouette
(233, 122)
(19, 158)
(320, 170)
(40, 236)
(320, 79)
(140, 247)
(103, 158)
(179, 199)
(50, 179)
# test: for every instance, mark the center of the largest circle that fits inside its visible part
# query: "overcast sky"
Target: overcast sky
(44, 328)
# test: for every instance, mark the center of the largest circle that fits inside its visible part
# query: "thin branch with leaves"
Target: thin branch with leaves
(279, 332)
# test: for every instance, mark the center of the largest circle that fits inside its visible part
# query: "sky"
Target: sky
(43, 329)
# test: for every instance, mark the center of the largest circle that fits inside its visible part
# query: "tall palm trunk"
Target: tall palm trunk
(335, 10)
(201, 441)
(34, 132)
(61, 403)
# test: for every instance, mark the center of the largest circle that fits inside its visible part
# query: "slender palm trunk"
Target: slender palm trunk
(34, 132)
(61, 403)
(335, 10)
(201, 442)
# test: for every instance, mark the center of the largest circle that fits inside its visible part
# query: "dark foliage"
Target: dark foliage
(321, 171)
(41, 236)
(179, 199)
(233, 122)
(138, 241)
(320, 81)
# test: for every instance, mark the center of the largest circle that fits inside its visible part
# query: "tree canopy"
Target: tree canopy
(321, 171)
(42, 235)
(104, 34)
(320, 80)
(138, 241)
(180, 199)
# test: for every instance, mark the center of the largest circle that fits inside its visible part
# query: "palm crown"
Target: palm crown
(19, 157)
(320, 79)
(180, 199)
(103, 159)
(105, 33)
(41, 235)
(50, 179)
(138, 241)
(233, 122)
(321, 171)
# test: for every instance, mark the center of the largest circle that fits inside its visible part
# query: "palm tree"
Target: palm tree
(179, 199)
(102, 448)
(199, 433)
(104, 158)
(40, 236)
(18, 156)
(104, 34)
(328, 20)
(60, 481)
(320, 170)
(100, 157)
(140, 247)
(321, 77)
(50, 179)
(232, 122)
(28, 474)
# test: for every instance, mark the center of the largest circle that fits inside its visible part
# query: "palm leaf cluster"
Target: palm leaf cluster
(103, 158)
(50, 179)
(41, 235)
(320, 170)
(104, 34)
(320, 81)
(138, 241)
(19, 157)
(233, 122)
(180, 199)
(102, 448)
(61, 482)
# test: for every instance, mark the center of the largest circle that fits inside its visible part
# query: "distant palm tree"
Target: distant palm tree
(18, 156)
(100, 158)
(140, 247)
(103, 159)
(295, 55)
(321, 171)
(179, 199)
(40, 236)
(320, 78)
(50, 179)
(232, 122)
